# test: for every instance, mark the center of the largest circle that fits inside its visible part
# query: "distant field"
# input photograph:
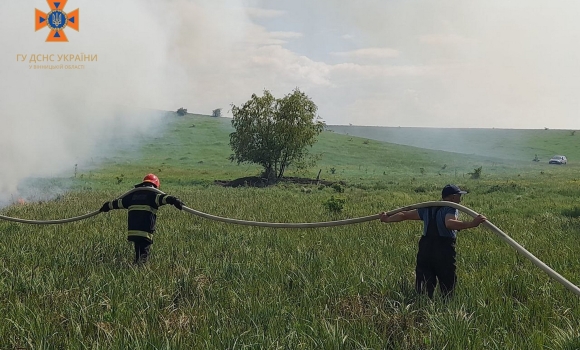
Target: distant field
(521, 145)
(195, 150)
(211, 285)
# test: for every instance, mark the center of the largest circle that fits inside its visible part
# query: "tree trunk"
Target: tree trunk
(281, 172)
(270, 175)
(283, 165)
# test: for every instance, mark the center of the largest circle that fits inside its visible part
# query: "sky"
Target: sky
(447, 63)
(413, 63)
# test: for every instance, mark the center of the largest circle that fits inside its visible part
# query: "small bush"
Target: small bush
(476, 174)
(337, 187)
(572, 212)
(421, 189)
(334, 204)
(511, 187)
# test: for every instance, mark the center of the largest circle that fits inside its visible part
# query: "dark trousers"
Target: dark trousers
(436, 262)
(142, 248)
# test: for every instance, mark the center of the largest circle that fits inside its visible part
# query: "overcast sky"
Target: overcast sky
(418, 63)
(502, 64)
(448, 63)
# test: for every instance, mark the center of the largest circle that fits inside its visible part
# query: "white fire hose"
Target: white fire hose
(573, 288)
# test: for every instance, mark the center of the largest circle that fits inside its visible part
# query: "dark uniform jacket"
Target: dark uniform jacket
(142, 206)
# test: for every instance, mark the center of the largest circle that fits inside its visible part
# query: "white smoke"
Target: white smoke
(55, 119)
(150, 54)
(446, 64)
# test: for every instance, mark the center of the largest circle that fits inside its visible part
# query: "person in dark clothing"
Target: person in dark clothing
(436, 255)
(142, 205)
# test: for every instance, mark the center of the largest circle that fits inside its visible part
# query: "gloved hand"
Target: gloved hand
(105, 208)
(176, 202)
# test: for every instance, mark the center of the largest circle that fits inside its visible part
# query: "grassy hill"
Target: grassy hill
(509, 144)
(212, 285)
(196, 150)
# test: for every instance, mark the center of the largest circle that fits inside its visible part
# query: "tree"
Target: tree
(182, 111)
(274, 133)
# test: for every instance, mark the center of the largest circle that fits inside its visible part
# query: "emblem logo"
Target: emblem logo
(56, 20)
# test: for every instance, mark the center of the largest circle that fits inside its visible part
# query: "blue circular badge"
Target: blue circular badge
(56, 20)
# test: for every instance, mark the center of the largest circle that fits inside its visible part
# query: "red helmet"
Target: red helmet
(152, 178)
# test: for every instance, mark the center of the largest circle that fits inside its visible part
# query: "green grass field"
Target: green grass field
(508, 144)
(212, 285)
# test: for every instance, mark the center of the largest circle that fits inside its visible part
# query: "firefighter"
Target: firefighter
(142, 205)
(436, 256)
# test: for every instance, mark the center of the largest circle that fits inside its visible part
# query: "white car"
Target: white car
(561, 160)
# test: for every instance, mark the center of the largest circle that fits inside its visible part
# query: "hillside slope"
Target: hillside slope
(196, 148)
(522, 145)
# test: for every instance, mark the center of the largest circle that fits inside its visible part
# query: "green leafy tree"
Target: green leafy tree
(274, 133)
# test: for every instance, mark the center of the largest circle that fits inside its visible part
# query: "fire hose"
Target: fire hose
(553, 274)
